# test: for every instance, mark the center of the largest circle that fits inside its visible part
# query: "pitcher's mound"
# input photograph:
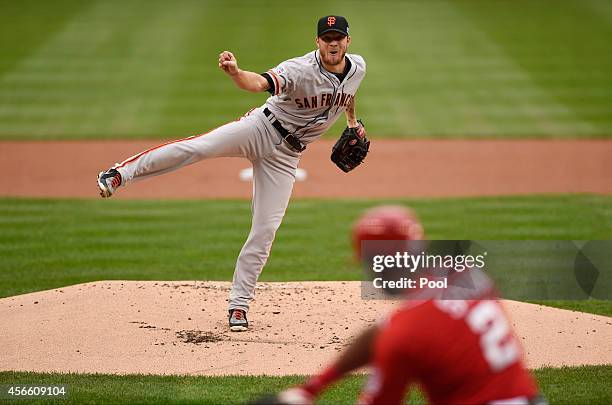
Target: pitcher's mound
(126, 327)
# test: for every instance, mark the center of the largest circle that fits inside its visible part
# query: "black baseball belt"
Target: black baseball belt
(291, 140)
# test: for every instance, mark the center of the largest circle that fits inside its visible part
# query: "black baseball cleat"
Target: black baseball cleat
(108, 182)
(238, 320)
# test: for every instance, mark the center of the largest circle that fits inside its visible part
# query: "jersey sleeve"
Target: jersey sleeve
(284, 77)
(391, 371)
(360, 61)
(361, 65)
(268, 77)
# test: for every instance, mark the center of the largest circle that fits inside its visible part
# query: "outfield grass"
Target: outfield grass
(53, 243)
(578, 385)
(76, 69)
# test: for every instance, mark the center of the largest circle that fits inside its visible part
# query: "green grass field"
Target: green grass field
(578, 385)
(200, 239)
(76, 69)
(53, 243)
(110, 69)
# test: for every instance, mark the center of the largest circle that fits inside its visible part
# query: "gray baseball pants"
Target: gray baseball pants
(274, 165)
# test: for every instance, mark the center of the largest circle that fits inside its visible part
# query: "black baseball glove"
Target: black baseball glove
(351, 149)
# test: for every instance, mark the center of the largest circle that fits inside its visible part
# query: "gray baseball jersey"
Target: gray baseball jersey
(307, 98)
(306, 101)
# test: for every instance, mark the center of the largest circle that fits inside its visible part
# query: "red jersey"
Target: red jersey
(458, 351)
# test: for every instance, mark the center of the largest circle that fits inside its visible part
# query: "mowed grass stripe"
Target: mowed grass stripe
(83, 240)
(34, 28)
(132, 94)
(575, 385)
(556, 68)
(112, 69)
(439, 90)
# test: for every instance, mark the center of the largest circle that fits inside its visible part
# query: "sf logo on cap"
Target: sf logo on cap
(331, 21)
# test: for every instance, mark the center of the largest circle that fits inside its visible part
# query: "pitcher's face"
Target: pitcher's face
(332, 47)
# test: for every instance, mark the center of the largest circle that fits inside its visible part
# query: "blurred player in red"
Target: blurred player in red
(456, 342)
(459, 351)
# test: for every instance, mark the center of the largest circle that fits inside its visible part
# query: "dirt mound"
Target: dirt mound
(198, 336)
(125, 327)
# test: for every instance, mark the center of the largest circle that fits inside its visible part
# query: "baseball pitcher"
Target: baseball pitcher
(307, 95)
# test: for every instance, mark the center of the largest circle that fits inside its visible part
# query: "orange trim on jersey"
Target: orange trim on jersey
(276, 82)
(139, 155)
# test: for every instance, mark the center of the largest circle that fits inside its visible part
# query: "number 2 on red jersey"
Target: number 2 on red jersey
(499, 347)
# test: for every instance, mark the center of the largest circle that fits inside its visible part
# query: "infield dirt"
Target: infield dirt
(394, 168)
(125, 327)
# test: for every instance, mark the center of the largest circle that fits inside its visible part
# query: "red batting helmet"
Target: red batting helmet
(386, 222)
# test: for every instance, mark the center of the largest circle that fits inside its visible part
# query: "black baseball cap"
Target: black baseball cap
(332, 23)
